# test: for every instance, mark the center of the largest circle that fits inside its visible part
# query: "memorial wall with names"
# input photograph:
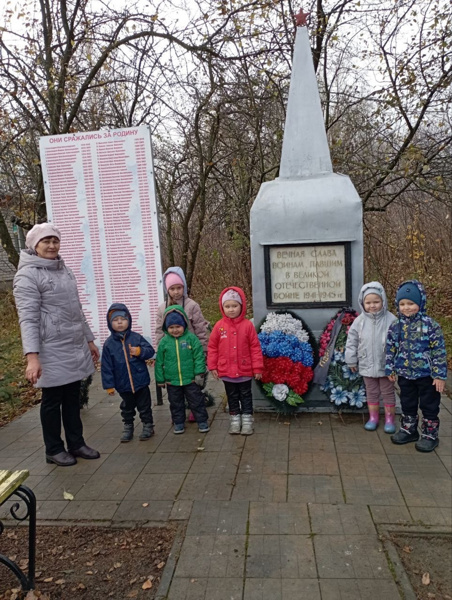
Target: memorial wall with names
(100, 193)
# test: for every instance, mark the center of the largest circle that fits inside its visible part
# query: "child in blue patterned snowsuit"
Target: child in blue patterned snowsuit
(416, 354)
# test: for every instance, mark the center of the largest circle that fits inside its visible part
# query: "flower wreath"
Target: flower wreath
(340, 384)
(288, 349)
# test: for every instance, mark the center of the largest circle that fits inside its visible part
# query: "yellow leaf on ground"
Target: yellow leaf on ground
(147, 585)
(426, 578)
(67, 495)
(161, 565)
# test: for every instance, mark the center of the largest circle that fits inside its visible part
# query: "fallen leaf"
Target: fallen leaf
(200, 448)
(161, 565)
(88, 572)
(426, 578)
(320, 423)
(286, 423)
(117, 565)
(407, 549)
(81, 586)
(67, 495)
(147, 585)
(134, 580)
(145, 504)
(89, 564)
(48, 579)
(132, 594)
(60, 581)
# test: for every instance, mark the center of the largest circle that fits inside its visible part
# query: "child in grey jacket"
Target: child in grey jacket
(366, 352)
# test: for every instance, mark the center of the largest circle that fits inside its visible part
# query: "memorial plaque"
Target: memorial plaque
(308, 275)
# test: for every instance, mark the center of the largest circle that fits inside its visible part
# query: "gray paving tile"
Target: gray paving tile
(372, 490)
(431, 516)
(280, 557)
(205, 486)
(190, 588)
(260, 487)
(322, 489)
(89, 510)
(62, 479)
(220, 441)
(135, 510)
(106, 486)
(427, 493)
(341, 519)
(170, 462)
(350, 557)
(390, 514)
(212, 556)
(215, 462)
(123, 464)
(418, 465)
(278, 518)
(211, 517)
(281, 589)
(358, 589)
(181, 510)
(368, 465)
(49, 510)
(156, 487)
(312, 463)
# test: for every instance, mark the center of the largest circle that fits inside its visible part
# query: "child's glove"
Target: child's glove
(199, 380)
(134, 350)
(111, 391)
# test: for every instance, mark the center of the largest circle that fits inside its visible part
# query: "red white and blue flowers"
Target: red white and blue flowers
(288, 360)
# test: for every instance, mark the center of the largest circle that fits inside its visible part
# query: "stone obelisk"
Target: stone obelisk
(306, 225)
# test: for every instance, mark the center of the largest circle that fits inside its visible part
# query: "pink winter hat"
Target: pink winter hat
(38, 232)
(173, 279)
(231, 295)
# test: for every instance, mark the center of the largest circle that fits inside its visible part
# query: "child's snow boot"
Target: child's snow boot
(247, 425)
(127, 432)
(389, 419)
(372, 423)
(147, 431)
(235, 422)
(429, 435)
(408, 430)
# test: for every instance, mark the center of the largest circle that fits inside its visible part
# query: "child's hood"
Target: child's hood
(118, 306)
(178, 309)
(420, 287)
(242, 296)
(177, 271)
(376, 285)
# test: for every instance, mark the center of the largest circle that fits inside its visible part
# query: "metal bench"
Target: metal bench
(11, 485)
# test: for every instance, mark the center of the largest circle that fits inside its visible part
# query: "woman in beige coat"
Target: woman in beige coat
(57, 342)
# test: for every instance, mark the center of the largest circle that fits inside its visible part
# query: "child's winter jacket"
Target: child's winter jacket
(366, 340)
(180, 359)
(234, 349)
(119, 370)
(415, 347)
(196, 321)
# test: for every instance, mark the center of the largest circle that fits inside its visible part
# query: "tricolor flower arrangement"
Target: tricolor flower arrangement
(287, 346)
(340, 384)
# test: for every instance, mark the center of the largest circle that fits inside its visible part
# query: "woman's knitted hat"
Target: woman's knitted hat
(40, 231)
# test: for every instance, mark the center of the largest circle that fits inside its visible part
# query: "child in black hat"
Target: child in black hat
(124, 369)
(416, 355)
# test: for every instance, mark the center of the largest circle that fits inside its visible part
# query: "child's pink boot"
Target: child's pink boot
(390, 426)
(372, 423)
(191, 418)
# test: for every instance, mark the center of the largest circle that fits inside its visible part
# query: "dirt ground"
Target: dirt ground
(92, 563)
(427, 560)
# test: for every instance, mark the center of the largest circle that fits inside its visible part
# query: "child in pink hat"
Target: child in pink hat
(175, 288)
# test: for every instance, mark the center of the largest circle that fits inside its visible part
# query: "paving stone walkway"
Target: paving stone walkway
(292, 512)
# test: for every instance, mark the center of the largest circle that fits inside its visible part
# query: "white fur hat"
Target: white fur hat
(38, 232)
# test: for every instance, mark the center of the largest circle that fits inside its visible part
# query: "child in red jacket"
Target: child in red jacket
(234, 355)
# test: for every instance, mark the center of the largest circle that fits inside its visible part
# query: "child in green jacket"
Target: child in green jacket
(181, 365)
